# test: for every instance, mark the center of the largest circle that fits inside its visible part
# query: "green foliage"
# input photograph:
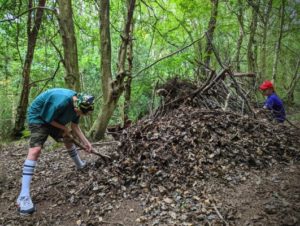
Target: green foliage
(25, 133)
(161, 27)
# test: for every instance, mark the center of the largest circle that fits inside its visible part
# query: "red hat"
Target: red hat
(266, 85)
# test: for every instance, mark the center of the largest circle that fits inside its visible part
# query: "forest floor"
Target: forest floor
(184, 165)
(267, 197)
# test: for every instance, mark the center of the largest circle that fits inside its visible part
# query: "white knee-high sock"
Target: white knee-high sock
(28, 170)
(76, 158)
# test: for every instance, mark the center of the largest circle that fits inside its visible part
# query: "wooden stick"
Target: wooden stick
(239, 91)
(238, 74)
(219, 215)
(202, 89)
(106, 143)
(104, 157)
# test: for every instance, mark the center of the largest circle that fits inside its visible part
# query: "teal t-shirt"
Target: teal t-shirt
(53, 105)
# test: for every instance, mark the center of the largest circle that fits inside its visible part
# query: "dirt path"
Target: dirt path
(269, 197)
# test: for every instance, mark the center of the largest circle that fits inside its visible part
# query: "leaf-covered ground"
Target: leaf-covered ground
(190, 166)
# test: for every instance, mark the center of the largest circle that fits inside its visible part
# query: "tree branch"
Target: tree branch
(47, 79)
(167, 56)
(29, 10)
(58, 51)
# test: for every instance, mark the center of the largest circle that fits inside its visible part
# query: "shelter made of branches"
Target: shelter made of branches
(219, 91)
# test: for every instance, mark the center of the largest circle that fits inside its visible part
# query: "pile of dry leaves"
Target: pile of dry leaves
(176, 153)
(164, 161)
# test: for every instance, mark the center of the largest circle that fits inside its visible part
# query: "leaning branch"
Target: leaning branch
(200, 90)
(219, 215)
(238, 74)
(29, 10)
(167, 56)
(231, 75)
(58, 52)
(240, 92)
(47, 79)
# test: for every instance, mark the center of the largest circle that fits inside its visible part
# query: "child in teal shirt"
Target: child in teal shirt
(48, 115)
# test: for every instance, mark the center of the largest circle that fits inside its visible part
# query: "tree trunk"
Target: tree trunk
(112, 90)
(278, 44)
(210, 32)
(295, 80)
(241, 34)
(253, 27)
(265, 37)
(101, 122)
(31, 42)
(67, 32)
(198, 57)
(127, 82)
(252, 47)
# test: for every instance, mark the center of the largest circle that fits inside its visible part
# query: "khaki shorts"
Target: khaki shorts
(40, 133)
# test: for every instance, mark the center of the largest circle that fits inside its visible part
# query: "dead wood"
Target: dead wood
(215, 93)
(93, 151)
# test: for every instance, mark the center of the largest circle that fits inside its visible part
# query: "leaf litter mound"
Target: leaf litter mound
(165, 161)
(171, 154)
(202, 143)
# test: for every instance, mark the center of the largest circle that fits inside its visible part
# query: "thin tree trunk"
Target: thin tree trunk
(112, 90)
(241, 35)
(198, 56)
(210, 32)
(265, 38)
(252, 47)
(32, 38)
(253, 27)
(295, 80)
(125, 40)
(7, 75)
(106, 74)
(67, 32)
(127, 86)
(278, 44)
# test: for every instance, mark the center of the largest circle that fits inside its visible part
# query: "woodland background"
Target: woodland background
(121, 51)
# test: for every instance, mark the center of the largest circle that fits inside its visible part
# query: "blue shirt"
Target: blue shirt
(274, 104)
(53, 105)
